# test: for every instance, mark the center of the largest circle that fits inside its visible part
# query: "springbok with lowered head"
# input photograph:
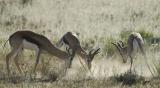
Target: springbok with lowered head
(29, 40)
(135, 40)
(72, 43)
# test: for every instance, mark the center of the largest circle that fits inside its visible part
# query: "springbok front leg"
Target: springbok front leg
(72, 52)
(38, 52)
(17, 64)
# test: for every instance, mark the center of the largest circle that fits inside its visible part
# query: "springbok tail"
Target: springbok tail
(140, 44)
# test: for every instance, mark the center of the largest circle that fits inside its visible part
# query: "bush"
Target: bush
(147, 36)
(88, 43)
(108, 46)
(128, 78)
(124, 35)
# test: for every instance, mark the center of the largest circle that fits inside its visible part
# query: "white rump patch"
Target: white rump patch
(135, 45)
(135, 42)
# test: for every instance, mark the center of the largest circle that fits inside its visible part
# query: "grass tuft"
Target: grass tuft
(146, 35)
(128, 78)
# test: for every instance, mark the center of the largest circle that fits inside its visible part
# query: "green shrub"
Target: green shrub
(128, 78)
(108, 46)
(88, 43)
(124, 35)
(146, 35)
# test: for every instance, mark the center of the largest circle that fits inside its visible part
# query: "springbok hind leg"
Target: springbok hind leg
(12, 54)
(131, 63)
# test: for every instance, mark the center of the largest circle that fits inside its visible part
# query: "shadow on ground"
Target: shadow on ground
(20, 79)
(129, 78)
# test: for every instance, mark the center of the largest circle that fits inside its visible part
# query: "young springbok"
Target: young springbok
(135, 40)
(72, 44)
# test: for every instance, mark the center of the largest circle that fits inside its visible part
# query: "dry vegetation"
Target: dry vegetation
(99, 23)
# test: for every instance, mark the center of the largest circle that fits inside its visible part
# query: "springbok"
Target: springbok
(135, 40)
(72, 44)
(29, 40)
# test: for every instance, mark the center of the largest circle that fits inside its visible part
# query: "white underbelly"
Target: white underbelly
(29, 45)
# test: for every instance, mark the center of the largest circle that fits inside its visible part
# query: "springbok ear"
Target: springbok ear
(114, 44)
(97, 51)
(93, 52)
(119, 45)
(77, 33)
(122, 43)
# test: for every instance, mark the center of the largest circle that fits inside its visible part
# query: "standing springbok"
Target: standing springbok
(29, 40)
(135, 40)
(72, 44)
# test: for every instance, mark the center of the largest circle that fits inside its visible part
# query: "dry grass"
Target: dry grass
(99, 23)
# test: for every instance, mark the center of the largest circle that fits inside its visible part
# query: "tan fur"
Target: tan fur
(74, 45)
(29, 40)
(135, 40)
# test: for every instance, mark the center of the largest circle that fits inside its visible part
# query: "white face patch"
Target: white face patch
(29, 45)
(74, 34)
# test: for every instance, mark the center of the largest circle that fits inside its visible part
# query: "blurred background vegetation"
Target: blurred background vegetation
(99, 23)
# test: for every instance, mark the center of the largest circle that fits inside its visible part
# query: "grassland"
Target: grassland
(99, 23)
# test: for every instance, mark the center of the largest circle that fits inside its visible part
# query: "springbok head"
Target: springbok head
(122, 50)
(90, 56)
